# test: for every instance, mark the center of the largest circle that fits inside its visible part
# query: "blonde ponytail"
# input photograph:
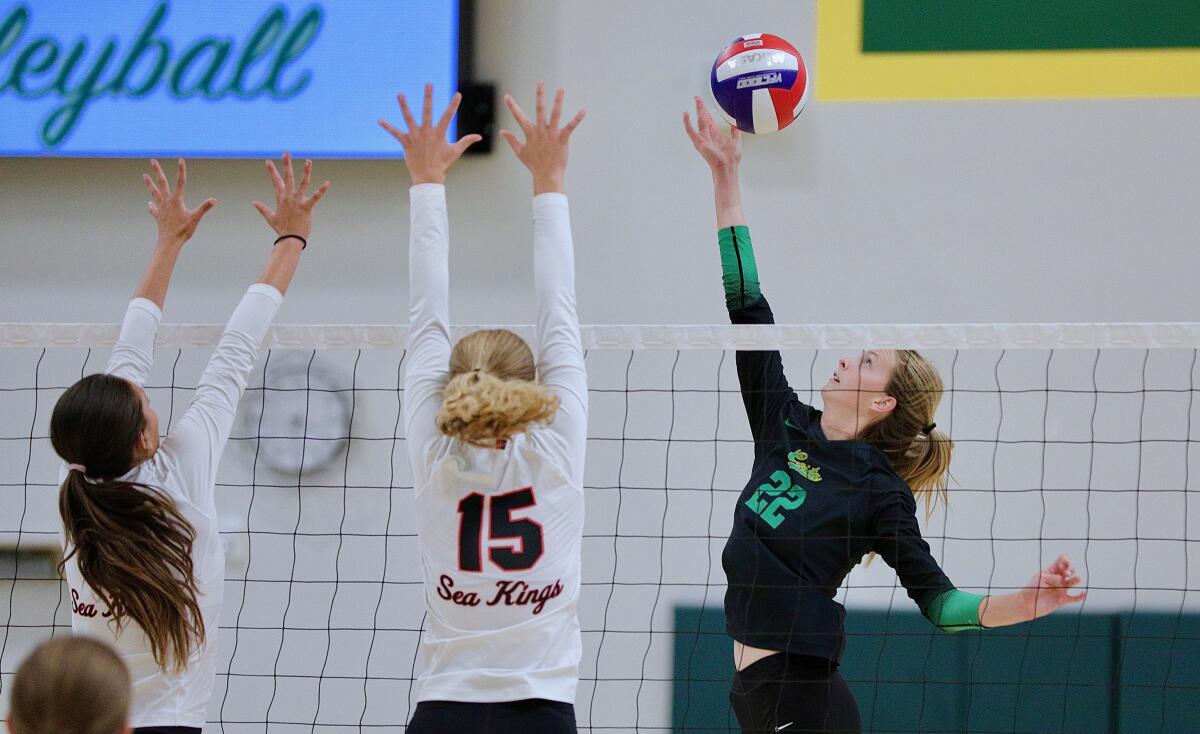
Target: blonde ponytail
(920, 454)
(926, 468)
(492, 393)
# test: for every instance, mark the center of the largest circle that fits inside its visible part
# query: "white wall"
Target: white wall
(895, 212)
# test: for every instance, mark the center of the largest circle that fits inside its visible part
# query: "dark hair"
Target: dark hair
(70, 685)
(132, 545)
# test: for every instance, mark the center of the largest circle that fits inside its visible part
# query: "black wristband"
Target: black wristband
(303, 242)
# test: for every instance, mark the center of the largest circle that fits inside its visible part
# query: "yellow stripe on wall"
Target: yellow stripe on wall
(844, 72)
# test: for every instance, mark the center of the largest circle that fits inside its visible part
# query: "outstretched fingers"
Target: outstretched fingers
(264, 210)
(404, 110)
(161, 178)
(155, 193)
(289, 176)
(448, 115)
(518, 114)
(180, 178)
(556, 111)
(704, 120)
(427, 106)
(276, 179)
(513, 141)
(465, 142)
(199, 212)
(305, 178)
(403, 138)
(316, 196)
(574, 123)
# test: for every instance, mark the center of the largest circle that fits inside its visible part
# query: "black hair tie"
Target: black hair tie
(303, 242)
(928, 430)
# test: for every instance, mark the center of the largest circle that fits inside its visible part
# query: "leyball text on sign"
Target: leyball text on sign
(82, 70)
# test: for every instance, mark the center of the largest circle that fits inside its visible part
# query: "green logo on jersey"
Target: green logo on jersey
(796, 462)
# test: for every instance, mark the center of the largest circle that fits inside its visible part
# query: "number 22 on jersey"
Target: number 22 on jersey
(513, 544)
(770, 501)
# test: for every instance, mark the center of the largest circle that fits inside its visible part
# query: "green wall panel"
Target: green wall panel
(1063, 673)
(891, 26)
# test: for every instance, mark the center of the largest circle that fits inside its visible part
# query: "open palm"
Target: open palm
(426, 151)
(176, 223)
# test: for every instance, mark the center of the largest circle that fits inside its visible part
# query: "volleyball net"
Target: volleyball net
(1072, 439)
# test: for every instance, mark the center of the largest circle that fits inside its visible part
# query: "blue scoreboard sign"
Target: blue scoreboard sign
(218, 78)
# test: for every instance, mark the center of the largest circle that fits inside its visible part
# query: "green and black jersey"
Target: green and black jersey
(813, 507)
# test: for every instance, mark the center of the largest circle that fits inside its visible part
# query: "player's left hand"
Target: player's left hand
(544, 150)
(293, 205)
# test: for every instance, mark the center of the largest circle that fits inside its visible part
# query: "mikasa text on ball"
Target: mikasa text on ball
(760, 83)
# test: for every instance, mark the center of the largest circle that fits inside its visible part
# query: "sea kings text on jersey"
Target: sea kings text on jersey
(507, 592)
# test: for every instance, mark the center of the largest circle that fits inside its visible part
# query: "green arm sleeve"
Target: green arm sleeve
(955, 611)
(738, 270)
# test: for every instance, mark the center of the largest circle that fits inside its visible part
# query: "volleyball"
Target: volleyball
(760, 83)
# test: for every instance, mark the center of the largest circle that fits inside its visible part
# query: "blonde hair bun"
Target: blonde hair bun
(491, 393)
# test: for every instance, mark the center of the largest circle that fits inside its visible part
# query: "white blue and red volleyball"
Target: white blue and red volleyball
(760, 83)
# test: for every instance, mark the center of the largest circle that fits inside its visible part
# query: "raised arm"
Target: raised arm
(133, 354)
(765, 391)
(195, 444)
(723, 156)
(429, 156)
(560, 350)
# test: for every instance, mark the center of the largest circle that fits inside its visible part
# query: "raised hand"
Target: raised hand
(1048, 590)
(723, 154)
(293, 209)
(176, 223)
(426, 151)
(544, 150)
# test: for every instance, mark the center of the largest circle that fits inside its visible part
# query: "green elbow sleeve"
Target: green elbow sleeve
(955, 611)
(739, 273)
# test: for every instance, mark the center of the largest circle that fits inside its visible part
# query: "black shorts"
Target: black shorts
(531, 716)
(794, 694)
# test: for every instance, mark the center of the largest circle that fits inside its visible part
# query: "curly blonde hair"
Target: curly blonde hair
(492, 393)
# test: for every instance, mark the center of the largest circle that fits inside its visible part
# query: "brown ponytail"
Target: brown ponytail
(132, 545)
(921, 459)
(492, 393)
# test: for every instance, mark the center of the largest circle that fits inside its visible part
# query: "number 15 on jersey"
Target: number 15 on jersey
(512, 544)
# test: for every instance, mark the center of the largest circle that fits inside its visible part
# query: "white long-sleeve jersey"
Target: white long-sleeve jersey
(500, 530)
(185, 468)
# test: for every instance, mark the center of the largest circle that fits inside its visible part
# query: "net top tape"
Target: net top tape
(1166, 335)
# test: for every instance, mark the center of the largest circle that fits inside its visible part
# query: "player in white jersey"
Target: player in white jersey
(497, 443)
(142, 553)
